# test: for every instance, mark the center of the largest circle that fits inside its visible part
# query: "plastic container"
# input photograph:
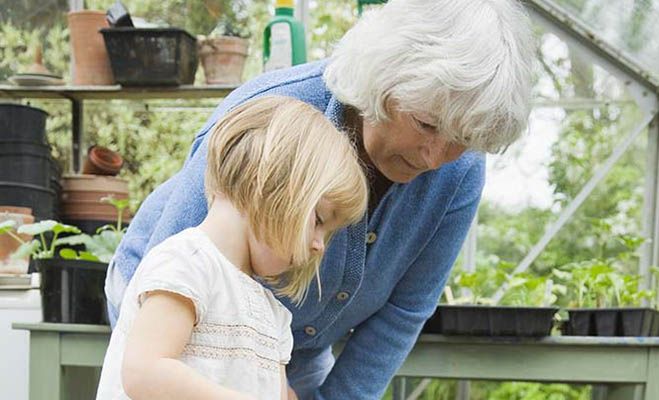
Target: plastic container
(72, 291)
(40, 199)
(470, 320)
(612, 322)
(25, 162)
(22, 123)
(283, 39)
(151, 56)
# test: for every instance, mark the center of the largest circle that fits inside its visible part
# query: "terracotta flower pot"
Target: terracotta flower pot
(82, 194)
(102, 161)
(223, 59)
(8, 245)
(86, 183)
(91, 62)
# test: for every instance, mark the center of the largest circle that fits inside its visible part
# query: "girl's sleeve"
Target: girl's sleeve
(286, 337)
(172, 271)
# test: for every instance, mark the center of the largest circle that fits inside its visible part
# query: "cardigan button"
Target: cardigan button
(370, 237)
(310, 330)
(342, 296)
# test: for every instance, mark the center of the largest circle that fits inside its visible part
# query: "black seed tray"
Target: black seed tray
(612, 322)
(470, 320)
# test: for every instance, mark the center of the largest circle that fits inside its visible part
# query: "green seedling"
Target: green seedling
(102, 245)
(39, 248)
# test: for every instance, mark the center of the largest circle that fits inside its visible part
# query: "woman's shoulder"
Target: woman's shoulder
(303, 82)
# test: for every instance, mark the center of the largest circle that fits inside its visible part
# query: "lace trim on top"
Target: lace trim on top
(213, 352)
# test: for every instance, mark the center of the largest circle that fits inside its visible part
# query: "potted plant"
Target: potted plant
(223, 52)
(604, 301)
(523, 311)
(82, 199)
(72, 285)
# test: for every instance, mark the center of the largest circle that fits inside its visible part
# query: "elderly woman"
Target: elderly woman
(424, 87)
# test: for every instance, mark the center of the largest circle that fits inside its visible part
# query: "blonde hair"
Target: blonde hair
(275, 158)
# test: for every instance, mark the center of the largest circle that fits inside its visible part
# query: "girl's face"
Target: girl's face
(406, 146)
(321, 222)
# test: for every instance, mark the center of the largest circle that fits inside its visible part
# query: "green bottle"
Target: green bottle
(283, 39)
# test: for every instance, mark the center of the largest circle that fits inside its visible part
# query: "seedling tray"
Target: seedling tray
(612, 322)
(470, 320)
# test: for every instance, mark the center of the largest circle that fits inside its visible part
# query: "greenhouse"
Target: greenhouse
(340, 199)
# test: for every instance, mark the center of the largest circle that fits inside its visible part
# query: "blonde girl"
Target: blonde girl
(196, 320)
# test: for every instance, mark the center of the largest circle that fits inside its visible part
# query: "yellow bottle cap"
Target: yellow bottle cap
(284, 3)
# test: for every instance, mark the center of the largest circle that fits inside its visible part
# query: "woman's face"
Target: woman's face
(265, 262)
(406, 146)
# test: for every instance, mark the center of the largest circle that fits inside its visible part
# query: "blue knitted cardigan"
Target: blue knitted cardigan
(378, 293)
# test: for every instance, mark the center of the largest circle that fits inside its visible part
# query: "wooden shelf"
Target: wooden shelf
(115, 92)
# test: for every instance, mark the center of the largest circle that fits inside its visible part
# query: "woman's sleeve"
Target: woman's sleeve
(378, 347)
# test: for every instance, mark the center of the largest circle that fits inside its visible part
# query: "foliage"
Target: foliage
(102, 245)
(98, 247)
(522, 289)
(538, 391)
(40, 248)
(601, 283)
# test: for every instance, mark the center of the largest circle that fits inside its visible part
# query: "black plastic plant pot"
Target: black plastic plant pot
(19, 122)
(606, 322)
(25, 162)
(637, 321)
(579, 323)
(655, 323)
(72, 291)
(40, 199)
(612, 322)
(151, 56)
(472, 320)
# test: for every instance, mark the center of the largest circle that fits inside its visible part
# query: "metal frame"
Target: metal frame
(644, 88)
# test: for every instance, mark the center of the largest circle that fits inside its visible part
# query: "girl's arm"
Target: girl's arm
(287, 392)
(151, 369)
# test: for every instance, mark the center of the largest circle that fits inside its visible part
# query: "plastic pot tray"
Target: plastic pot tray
(473, 320)
(151, 56)
(612, 322)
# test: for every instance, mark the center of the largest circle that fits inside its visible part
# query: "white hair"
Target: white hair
(465, 63)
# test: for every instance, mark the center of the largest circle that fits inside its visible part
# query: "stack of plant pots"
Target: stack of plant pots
(27, 172)
(82, 196)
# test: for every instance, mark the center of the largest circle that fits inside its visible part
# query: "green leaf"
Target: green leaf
(28, 249)
(119, 204)
(48, 225)
(37, 228)
(87, 256)
(7, 226)
(73, 240)
(63, 228)
(68, 254)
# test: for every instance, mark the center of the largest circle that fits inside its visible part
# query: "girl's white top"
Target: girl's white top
(242, 332)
